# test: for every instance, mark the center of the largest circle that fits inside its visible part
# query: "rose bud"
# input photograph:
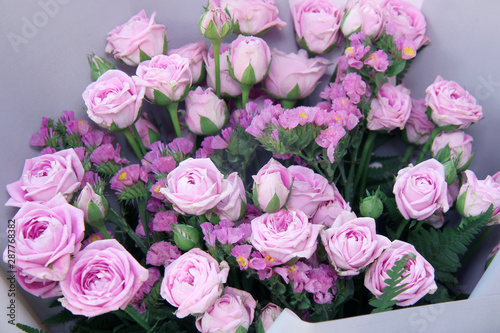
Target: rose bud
(364, 16)
(460, 145)
(98, 66)
(206, 114)
(371, 206)
(185, 236)
(272, 186)
(148, 133)
(93, 205)
(269, 314)
(216, 23)
(249, 60)
(195, 52)
(233, 207)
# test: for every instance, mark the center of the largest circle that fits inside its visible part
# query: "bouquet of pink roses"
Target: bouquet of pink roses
(240, 197)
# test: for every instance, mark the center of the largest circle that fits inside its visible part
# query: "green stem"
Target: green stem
(287, 103)
(132, 313)
(419, 225)
(172, 111)
(401, 228)
(365, 161)
(144, 219)
(133, 143)
(406, 156)
(245, 92)
(138, 138)
(120, 222)
(216, 47)
(476, 244)
(104, 232)
(428, 144)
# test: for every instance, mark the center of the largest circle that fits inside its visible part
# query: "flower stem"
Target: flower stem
(118, 220)
(144, 219)
(216, 47)
(401, 228)
(245, 92)
(138, 138)
(132, 313)
(133, 143)
(104, 232)
(172, 111)
(476, 244)
(428, 144)
(287, 103)
(406, 156)
(365, 162)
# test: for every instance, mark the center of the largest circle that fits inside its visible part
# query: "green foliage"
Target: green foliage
(62, 317)
(29, 329)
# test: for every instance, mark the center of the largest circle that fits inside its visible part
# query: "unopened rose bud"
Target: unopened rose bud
(185, 236)
(98, 66)
(249, 60)
(216, 23)
(450, 172)
(272, 186)
(93, 205)
(206, 114)
(371, 206)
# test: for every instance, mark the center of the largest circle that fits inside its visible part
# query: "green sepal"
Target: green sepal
(241, 329)
(153, 135)
(114, 127)
(185, 236)
(248, 77)
(291, 261)
(444, 154)
(294, 94)
(143, 56)
(160, 98)
(207, 126)
(165, 44)
(460, 204)
(260, 326)
(466, 165)
(273, 205)
(94, 214)
(450, 172)
(243, 209)
(254, 197)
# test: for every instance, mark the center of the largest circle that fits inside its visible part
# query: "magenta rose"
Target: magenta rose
(253, 17)
(45, 176)
(460, 145)
(228, 86)
(249, 55)
(166, 79)
(269, 314)
(113, 101)
(193, 282)
(293, 76)
(476, 196)
(317, 24)
(233, 309)
(232, 208)
(418, 128)
(103, 277)
(205, 112)
(421, 190)
(195, 52)
(195, 186)
(365, 16)
(272, 186)
(451, 105)
(139, 34)
(47, 235)
(352, 244)
(391, 109)
(328, 211)
(36, 286)
(309, 190)
(285, 235)
(420, 274)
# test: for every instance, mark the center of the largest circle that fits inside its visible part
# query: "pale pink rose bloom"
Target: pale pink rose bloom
(249, 51)
(272, 181)
(169, 75)
(36, 286)
(204, 103)
(232, 208)
(420, 279)
(421, 190)
(329, 210)
(193, 282)
(418, 128)
(352, 243)
(285, 235)
(45, 176)
(233, 309)
(317, 23)
(253, 17)
(195, 186)
(269, 314)
(195, 52)
(460, 145)
(292, 70)
(114, 100)
(365, 15)
(144, 127)
(103, 277)
(478, 196)
(391, 109)
(228, 86)
(309, 190)
(451, 105)
(139, 34)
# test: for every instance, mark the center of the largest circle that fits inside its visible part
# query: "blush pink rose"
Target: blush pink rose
(195, 186)
(47, 235)
(38, 287)
(249, 51)
(228, 86)
(45, 176)
(420, 279)
(167, 75)
(140, 33)
(253, 17)
(285, 235)
(193, 282)
(269, 314)
(232, 208)
(113, 101)
(451, 105)
(460, 145)
(352, 244)
(364, 15)
(205, 112)
(233, 309)
(195, 52)
(309, 190)
(329, 210)
(103, 277)
(421, 190)
(291, 71)
(272, 186)
(317, 24)
(391, 109)
(418, 128)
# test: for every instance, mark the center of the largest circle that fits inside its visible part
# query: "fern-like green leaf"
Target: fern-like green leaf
(29, 329)
(62, 317)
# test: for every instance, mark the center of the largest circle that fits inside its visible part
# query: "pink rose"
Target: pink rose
(420, 274)
(166, 79)
(228, 86)
(249, 53)
(353, 244)
(36, 286)
(317, 24)
(193, 282)
(328, 211)
(309, 190)
(215, 23)
(195, 52)
(391, 109)
(253, 17)
(421, 190)
(139, 34)
(232, 208)
(148, 133)
(113, 101)
(94, 206)
(269, 314)
(406, 20)
(418, 128)
(234, 309)
(476, 196)
(460, 145)
(205, 113)
(289, 72)
(285, 235)
(364, 15)
(103, 277)
(45, 176)
(272, 186)
(47, 235)
(195, 186)
(451, 105)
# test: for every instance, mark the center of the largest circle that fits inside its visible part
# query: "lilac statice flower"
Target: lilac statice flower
(163, 165)
(78, 126)
(329, 138)
(242, 253)
(162, 254)
(155, 189)
(164, 220)
(41, 139)
(128, 176)
(154, 205)
(67, 116)
(333, 91)
(263, 265)
(47, 151)
(137, 303)
(378, 61)
(208, 231)
(96, 138)
(289, 119)
(227, 234)
(106, 153)
(321, 280)
(354, 87)
(180, 145)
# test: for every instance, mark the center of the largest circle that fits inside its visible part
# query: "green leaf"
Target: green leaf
(396, 68)
(143, 56)
(62, 317)
(29, 329)
(207, 126)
